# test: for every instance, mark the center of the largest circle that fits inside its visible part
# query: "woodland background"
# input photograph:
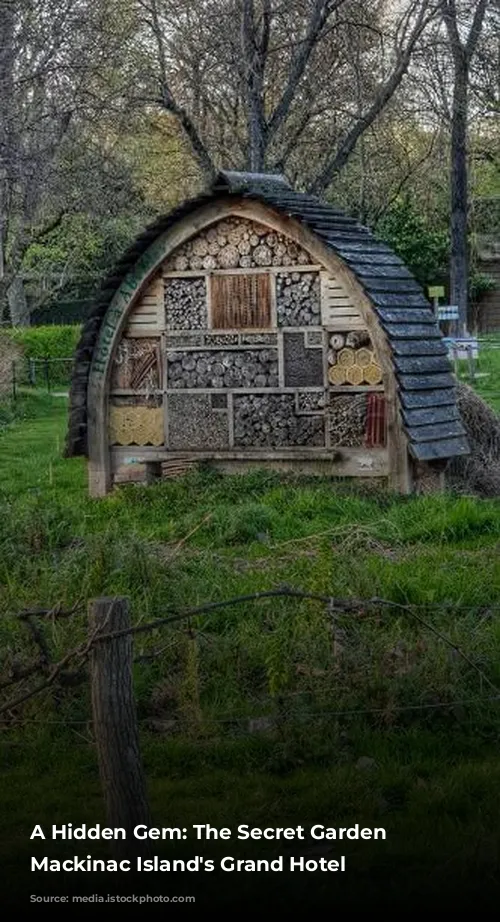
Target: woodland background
(112, 111)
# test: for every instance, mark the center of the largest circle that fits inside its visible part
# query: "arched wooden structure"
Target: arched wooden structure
(257, 325)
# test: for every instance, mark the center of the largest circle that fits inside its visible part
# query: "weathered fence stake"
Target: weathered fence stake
(115, 724)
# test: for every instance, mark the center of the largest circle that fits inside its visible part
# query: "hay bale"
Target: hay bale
(479, 472)
(9, 352)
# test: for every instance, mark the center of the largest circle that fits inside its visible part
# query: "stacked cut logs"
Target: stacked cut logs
(298, 299)
(186, 304)
(257, 368)
(352, 361)
(270, 420)
(236, 243)
(347, 420)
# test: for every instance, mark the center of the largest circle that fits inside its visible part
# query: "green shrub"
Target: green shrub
(422, 247)
(54, 342)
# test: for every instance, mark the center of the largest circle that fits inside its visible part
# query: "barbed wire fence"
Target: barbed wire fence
(60, 672)
(105, 660)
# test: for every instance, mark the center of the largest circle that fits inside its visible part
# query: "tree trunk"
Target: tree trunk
(18, 303)
(115, 725)
(7, 59)
(459, 194)
(253, 57)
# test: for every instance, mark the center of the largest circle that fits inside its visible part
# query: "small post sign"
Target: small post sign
(435, 292)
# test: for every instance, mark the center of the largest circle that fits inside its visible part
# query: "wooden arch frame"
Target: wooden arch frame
(136, 281)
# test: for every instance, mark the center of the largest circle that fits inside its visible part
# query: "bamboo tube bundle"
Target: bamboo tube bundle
(373, 374)
(363, 357)
(337, 375)
(354, 375)
(346, 357)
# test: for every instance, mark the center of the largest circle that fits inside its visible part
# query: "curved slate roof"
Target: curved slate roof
(426, 385)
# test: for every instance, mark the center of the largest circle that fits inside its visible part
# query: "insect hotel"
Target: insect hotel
(259, 326)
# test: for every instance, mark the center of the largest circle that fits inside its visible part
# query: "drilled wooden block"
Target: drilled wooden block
(177, 340)
(303, 366)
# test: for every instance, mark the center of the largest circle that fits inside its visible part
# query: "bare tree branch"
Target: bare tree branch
(384, 94)
(170, 104)
(321, 12)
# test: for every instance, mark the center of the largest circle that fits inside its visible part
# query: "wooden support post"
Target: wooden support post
(115, 725)
(472, 368)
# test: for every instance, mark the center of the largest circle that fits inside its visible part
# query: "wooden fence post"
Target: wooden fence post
(115, 725)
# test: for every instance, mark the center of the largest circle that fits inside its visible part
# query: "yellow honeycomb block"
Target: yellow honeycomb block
(136, 426)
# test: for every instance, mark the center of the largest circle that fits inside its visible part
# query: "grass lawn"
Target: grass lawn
(487, 371)
(261, 713)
